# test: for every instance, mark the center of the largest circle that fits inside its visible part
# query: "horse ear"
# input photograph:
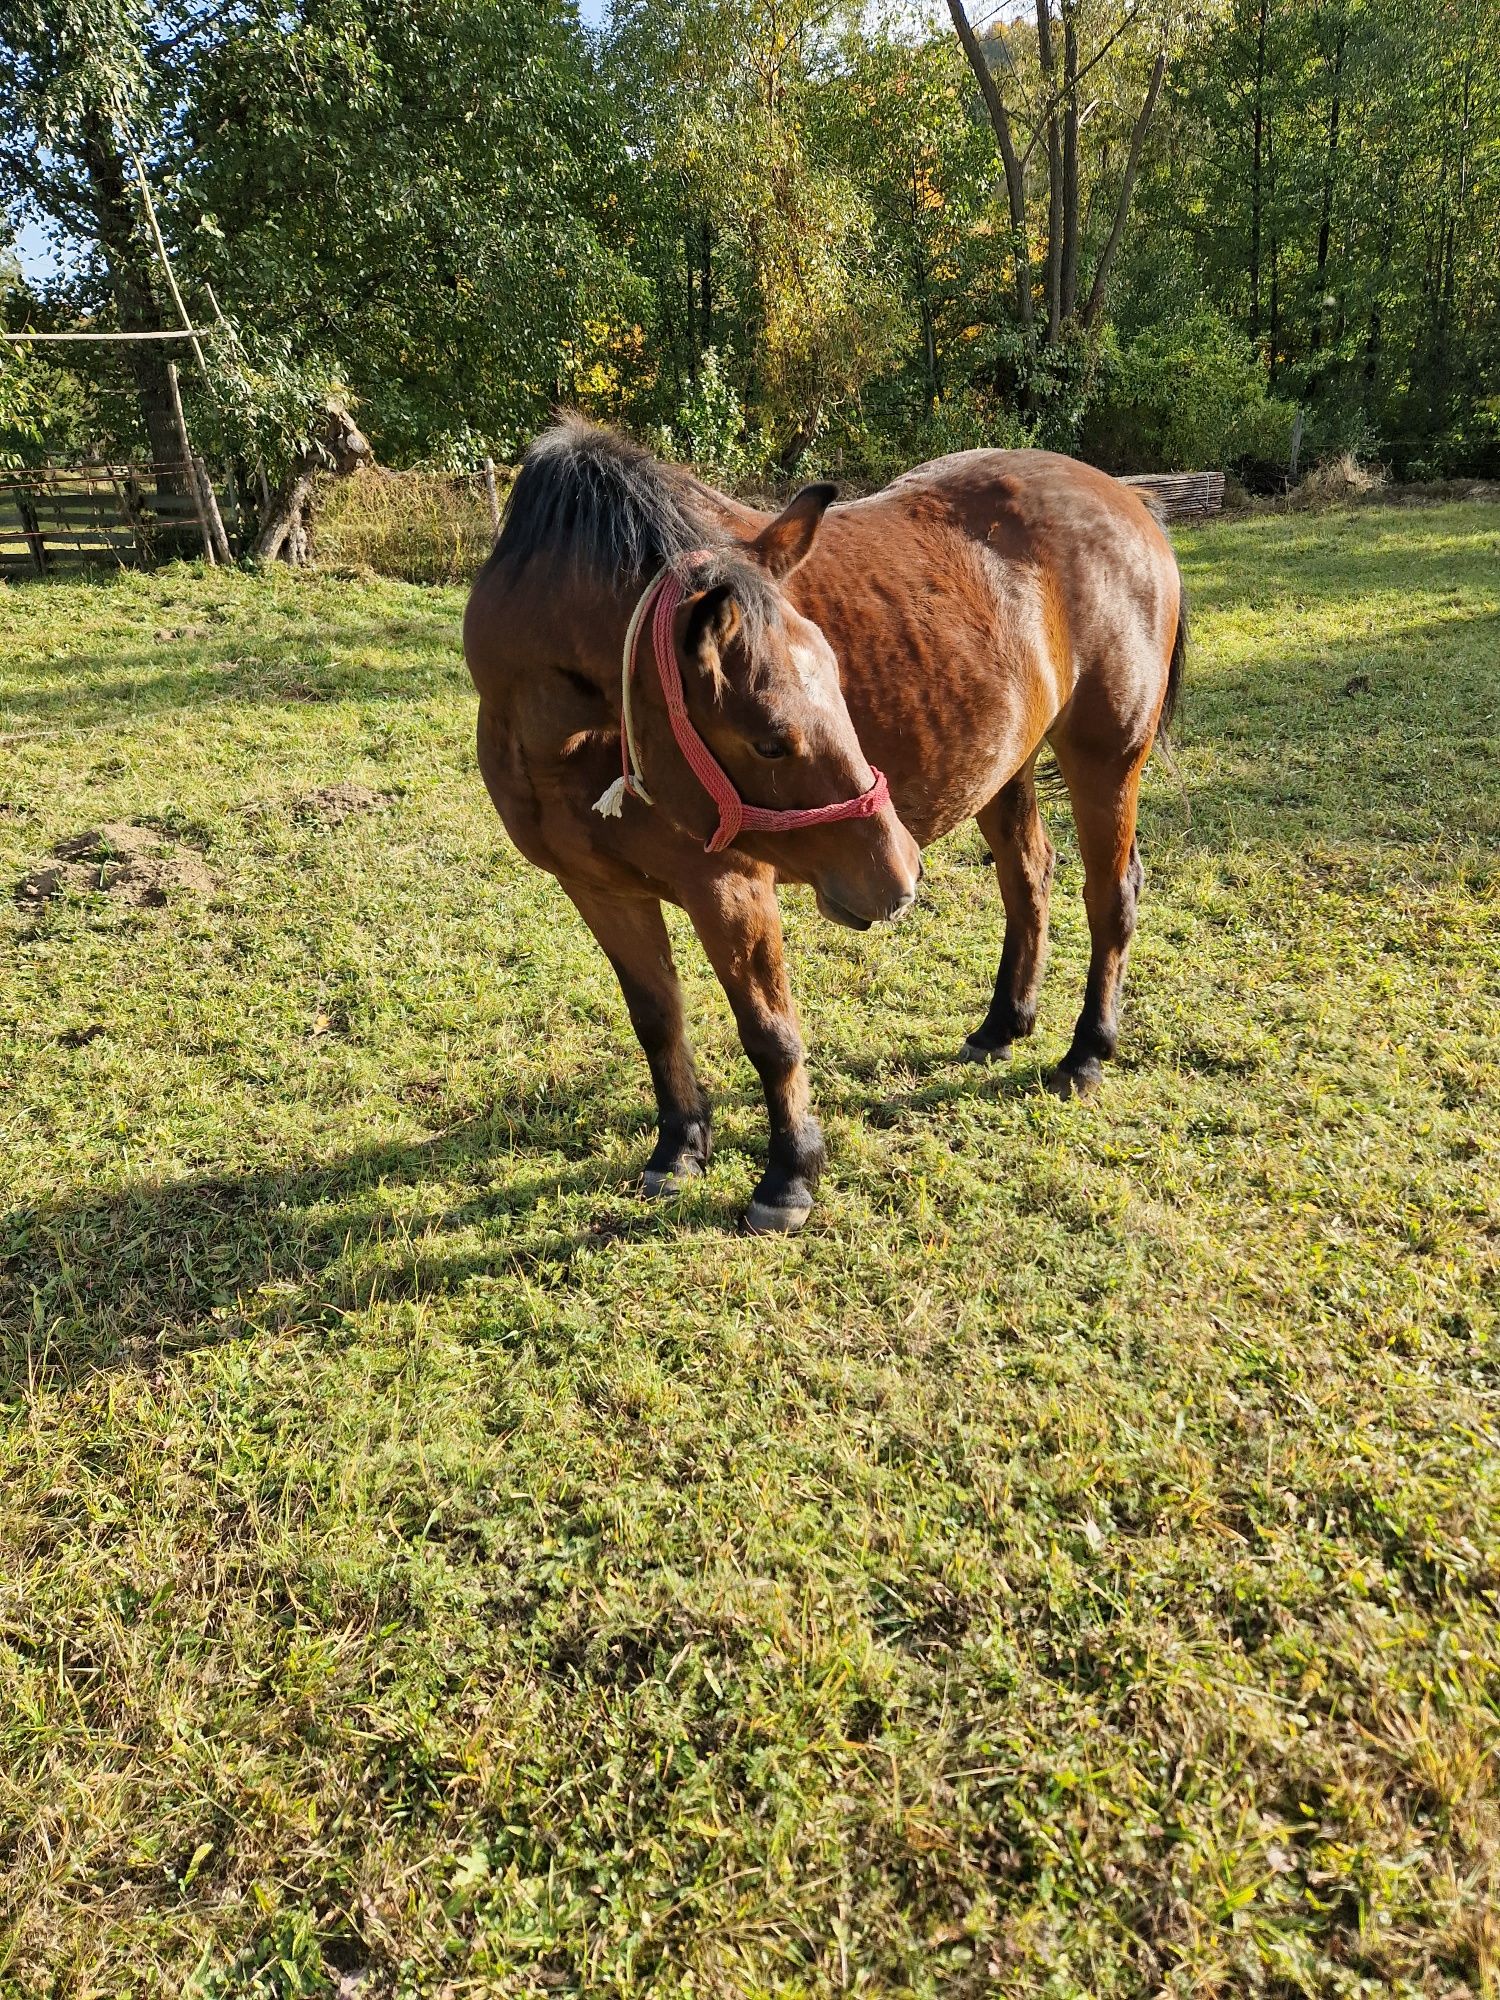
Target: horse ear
(712, 621)
(788, 540)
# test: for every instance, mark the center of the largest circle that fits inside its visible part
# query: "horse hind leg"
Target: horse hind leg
(1023, 856)
(1104, 793)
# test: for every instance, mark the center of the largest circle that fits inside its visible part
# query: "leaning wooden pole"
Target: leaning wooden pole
(211, 511)
(161, 251)
(189, 466)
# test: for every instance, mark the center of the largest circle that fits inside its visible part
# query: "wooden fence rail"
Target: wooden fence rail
(66, 517)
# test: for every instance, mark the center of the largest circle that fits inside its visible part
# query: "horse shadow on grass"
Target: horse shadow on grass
(93, 1280)
(918, 1080)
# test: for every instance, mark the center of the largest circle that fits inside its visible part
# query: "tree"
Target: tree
(1056, 113)
(419, 191)
(722, 101)
(899, 116)
(82, 84)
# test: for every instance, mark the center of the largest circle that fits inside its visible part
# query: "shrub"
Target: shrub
(424, 527)
(1189, 399)
(709, 429)
(872, 451)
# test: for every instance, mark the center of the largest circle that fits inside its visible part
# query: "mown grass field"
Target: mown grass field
(1070, 1569)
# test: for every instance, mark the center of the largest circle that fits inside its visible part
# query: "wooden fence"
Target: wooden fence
(67, 517)
(1181, 496)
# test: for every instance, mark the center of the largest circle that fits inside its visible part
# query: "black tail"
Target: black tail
(1174, 671)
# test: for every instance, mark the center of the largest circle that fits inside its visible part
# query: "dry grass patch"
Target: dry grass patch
(420, 527)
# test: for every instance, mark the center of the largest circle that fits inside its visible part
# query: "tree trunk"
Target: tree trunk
(1015, 184)
(789, 453)
(1325, 216)
(1257, 194)
(1274, 331)
(695, 346)
(1325, 219)
(337, 446)
(1047, 56)
(1375, 334)
(1072, 222)
(285, 532)
(128, 265)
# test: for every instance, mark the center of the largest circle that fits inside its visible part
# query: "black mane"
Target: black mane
(603, 504)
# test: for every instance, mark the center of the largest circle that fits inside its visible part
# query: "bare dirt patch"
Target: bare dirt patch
(333, 804)
(137, 866)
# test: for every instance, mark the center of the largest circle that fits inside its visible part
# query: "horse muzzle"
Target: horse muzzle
(838, 912)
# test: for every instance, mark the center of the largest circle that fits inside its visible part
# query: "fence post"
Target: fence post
(189, 466)
(1296, 445)
(492, 495)
(31, 528)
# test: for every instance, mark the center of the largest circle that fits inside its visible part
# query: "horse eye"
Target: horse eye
(778, 747)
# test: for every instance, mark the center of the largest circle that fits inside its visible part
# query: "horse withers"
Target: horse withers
(684, 699)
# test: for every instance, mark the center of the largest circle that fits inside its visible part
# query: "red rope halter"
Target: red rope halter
(735, 815)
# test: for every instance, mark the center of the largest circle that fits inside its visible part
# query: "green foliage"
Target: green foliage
(1068, 1570)
(748, 220)
(773, 232)
(42, 407)
(888, 435)
(1191, 396)
(417, 190)
(709, 427)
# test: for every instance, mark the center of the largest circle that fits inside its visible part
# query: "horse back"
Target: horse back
(984, 600)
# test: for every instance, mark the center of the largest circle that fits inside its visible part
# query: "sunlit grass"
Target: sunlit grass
(1069, 1569)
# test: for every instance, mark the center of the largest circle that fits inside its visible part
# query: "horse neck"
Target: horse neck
(576, 624)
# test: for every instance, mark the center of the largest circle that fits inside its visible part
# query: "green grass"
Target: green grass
(1071, 1568)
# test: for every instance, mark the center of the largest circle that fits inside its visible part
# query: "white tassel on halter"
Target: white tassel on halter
(611, 804)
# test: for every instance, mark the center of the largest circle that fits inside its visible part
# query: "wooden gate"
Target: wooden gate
(56, 517)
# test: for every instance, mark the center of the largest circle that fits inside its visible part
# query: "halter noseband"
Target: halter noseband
(665, 592)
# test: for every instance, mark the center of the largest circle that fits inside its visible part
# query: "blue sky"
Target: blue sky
(33, 252)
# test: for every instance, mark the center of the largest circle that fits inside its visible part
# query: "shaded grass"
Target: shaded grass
(1070, 1569)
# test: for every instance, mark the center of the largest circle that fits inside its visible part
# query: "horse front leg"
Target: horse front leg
(739, 923)
(1023, 859)
(634, 938)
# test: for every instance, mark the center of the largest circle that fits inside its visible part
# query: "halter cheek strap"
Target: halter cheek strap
(660, 600)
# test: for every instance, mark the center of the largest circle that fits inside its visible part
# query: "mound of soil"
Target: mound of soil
(137, 866)
(333, 804)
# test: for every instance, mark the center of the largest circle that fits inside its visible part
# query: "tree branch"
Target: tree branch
(1127, 189)
(1058, 95)
(200, 24)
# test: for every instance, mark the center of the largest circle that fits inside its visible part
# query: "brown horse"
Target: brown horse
(946, 628)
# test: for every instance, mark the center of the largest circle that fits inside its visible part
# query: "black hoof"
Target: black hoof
(766, 1218)
(976, 1051)
(657, 1183)
(1076, 1080)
